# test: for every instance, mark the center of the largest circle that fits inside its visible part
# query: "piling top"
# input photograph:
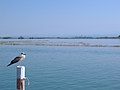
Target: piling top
(20, 66)
(21, 72)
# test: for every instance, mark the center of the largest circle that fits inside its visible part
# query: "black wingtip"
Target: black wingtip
(8, 65)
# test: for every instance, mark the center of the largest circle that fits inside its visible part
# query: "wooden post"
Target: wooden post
(20, 82)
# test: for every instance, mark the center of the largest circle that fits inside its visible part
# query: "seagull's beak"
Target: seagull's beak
(24, 54)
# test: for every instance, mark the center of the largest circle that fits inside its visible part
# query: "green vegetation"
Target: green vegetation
(20, 37)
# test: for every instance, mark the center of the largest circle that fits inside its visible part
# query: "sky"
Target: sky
(59, 17)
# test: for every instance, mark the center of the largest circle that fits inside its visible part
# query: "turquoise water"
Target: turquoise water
(63, 67)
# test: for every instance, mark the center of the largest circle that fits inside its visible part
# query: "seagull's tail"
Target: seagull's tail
(8, 64)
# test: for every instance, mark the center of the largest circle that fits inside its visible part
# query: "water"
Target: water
(63, 67)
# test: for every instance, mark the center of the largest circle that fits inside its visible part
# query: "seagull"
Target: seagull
(17, 59)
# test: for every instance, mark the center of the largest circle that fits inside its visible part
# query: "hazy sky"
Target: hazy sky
(59, 17)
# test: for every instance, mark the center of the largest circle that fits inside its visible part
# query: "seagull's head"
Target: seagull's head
(22, 53)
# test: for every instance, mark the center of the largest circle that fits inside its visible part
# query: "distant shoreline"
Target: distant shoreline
(51, 42)
(76, 37)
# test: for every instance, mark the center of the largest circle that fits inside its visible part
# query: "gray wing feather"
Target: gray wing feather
(15, 60)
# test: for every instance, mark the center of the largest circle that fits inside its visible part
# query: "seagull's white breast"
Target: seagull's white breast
(22, 57)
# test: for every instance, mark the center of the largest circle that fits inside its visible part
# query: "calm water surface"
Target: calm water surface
(63, 68)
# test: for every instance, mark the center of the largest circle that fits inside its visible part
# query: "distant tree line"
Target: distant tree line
(12, 37)
(77, 37)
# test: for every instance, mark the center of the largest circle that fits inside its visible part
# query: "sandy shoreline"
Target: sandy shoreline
(46, 42)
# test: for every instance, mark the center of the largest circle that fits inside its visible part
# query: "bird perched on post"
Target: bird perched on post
(17, 59)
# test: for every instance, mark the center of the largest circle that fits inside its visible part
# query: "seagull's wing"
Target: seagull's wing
(15, 60)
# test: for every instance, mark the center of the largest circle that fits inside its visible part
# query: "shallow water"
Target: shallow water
(63, 67)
